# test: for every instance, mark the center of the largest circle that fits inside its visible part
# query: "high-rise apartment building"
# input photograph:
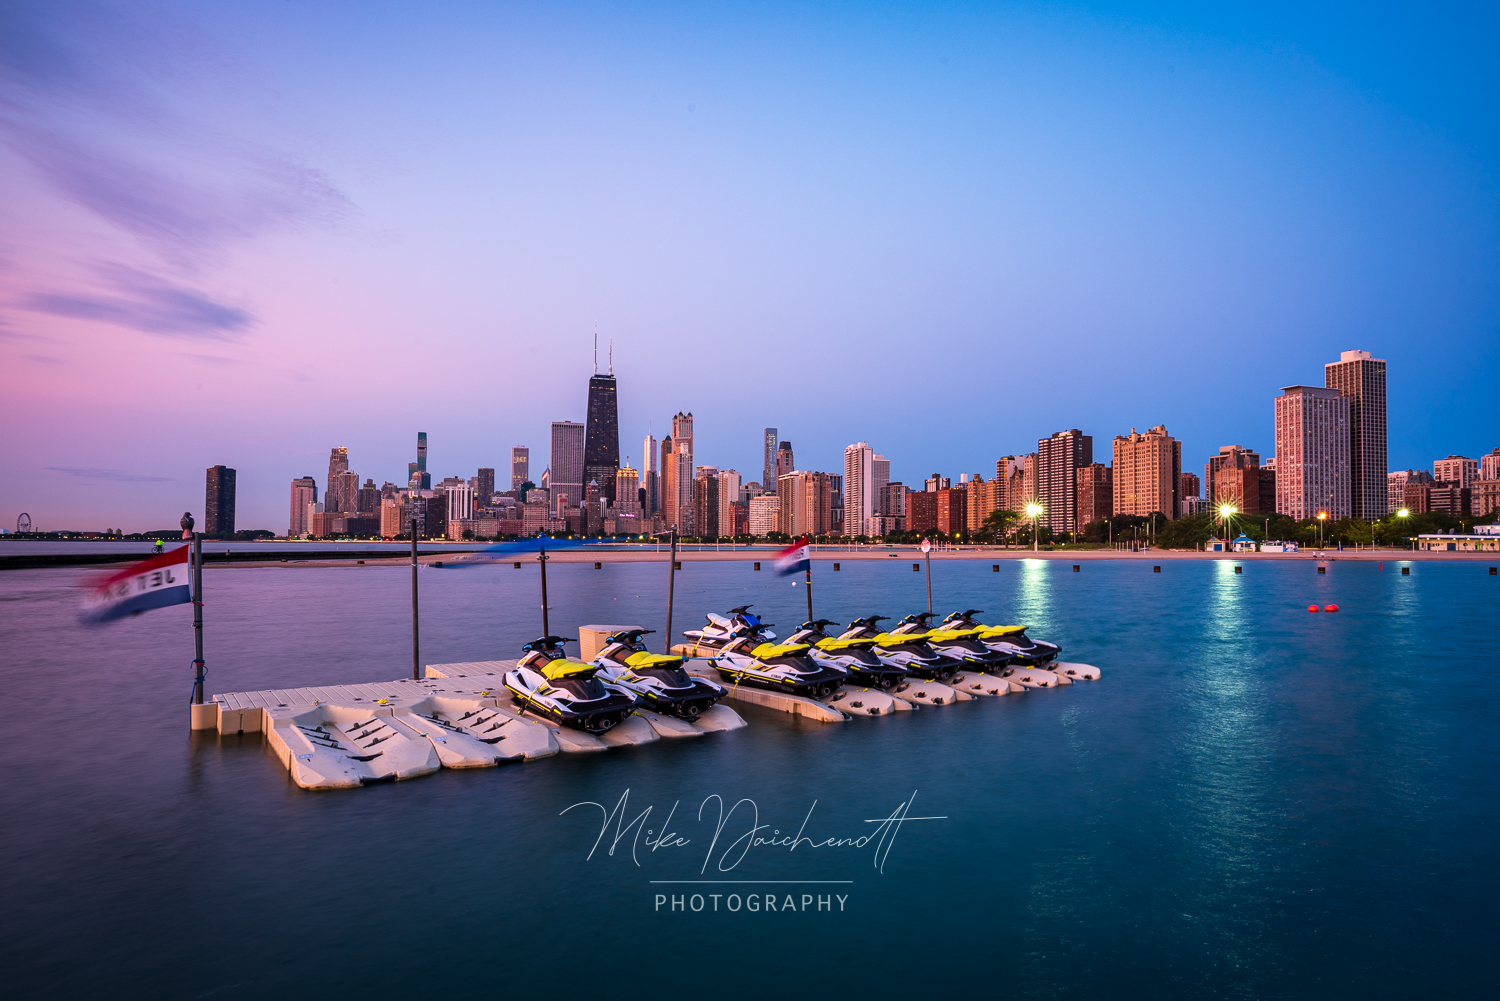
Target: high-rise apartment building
(218, 504)
(1456, 469)
(1362, 379)
(460, 500)
(768, 471)
(1233, 477)
(881, 480)
(859, 488)
(952, 510)
(1188, 485)
(1489, 466)
(706, 502)
(520, 466)
(1058, 459)
(894, 505)
(368, 502)
(566, 465)
(763, 512)
(1096, 493)
(1145, 473)
(729, 495)
(984, 499)
(677, 487)
(601, 447)
(922, 511)
(627, 492)
(1395, 486)
(806, 503)
(484, 487)
(1312, 453)
(304, 495)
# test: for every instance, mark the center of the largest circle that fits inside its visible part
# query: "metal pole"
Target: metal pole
(809, 590)
(671, 590)
(198, 618)
(927, 557)
(416, 633)
(541, 558)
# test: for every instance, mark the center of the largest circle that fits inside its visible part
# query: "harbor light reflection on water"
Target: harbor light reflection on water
(1253, 801)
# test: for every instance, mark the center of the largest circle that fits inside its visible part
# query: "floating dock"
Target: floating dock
(462, 716)
(459, 716)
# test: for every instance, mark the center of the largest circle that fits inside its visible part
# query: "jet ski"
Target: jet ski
(1011, 641)
(911, 653)
(743, 651)
(954, 639)
(567, 691)
(857, 656)
(657, 679)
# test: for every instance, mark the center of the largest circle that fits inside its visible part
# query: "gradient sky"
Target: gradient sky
(245, 233)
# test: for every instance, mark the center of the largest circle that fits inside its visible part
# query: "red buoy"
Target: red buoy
(1330, 608)
(1312, 608)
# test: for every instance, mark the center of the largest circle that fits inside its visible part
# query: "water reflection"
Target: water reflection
(1034, 593)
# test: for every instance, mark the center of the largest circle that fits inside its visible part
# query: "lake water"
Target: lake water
(1253, 802)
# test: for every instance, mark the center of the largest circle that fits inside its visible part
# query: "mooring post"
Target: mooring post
(808, 582)
(671, 586)
(541, 557)
(416, 633)
(928, 558)
(198, 618)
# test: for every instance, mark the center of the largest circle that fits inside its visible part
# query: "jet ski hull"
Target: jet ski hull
(816, 685)
(594, 716)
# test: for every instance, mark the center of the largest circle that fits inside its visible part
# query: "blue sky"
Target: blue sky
(245, 233)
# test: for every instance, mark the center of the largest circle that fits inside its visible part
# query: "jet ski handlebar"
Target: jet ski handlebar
(547, 642)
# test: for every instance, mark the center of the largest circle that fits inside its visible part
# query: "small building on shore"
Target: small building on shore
(1244, 544)
(1278, 547)
(1476, 543)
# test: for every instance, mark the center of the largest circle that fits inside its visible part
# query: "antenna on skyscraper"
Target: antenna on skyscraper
(596, 349)
(611, 356)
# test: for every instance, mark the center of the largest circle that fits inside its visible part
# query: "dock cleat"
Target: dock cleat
(856, 656)
(743, 651)
(909, 651)
(566, 691)
(658, 680)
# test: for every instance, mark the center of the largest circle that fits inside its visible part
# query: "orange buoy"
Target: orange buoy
(1312, 608)
(1330, 608)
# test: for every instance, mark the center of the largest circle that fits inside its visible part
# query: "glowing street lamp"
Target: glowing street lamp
(1322, 517)
(1226, 511)
(1034, 510)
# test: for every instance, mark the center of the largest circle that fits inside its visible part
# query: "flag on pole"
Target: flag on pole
(154, 583)
(793, 559)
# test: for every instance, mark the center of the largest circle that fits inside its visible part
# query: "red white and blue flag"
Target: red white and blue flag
(793, 559)
(154, 583)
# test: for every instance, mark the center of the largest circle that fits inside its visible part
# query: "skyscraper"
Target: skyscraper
(1362, 379)
(304, 495)
(768, 472)
(1233, 477)
(484, 487)
(784, 463)
(338, 462)
(682, 432)
(859, 488)
(218, 504)
(881, 479)
(729, 495)
(1457, 469)
(1312, 452)
(1058, 460)
(601, 449)
(566, 466)
(1147, 473)
(649, 478)
(418, 470)
(520, 466)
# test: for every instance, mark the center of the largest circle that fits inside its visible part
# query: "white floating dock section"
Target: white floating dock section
(459, 716)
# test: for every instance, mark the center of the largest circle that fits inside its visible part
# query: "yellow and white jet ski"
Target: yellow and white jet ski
(857, 656)
(567, 691)
(658, 680)
(743, 652)
(910, 652)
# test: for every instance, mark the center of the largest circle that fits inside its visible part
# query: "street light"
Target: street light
(1225, 512)
(1322, 517)
(1403, 514)
(1035, 511)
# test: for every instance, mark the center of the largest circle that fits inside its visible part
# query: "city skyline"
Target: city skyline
(1131, 223)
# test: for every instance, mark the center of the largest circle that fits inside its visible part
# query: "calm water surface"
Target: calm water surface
(1254, 802)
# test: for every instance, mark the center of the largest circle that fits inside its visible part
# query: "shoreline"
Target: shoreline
(1150, 556)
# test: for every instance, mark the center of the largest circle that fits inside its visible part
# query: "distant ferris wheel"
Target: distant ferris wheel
(23, 523)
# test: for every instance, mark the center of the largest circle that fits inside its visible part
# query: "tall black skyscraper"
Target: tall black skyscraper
(601, 440)
(218, 505)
